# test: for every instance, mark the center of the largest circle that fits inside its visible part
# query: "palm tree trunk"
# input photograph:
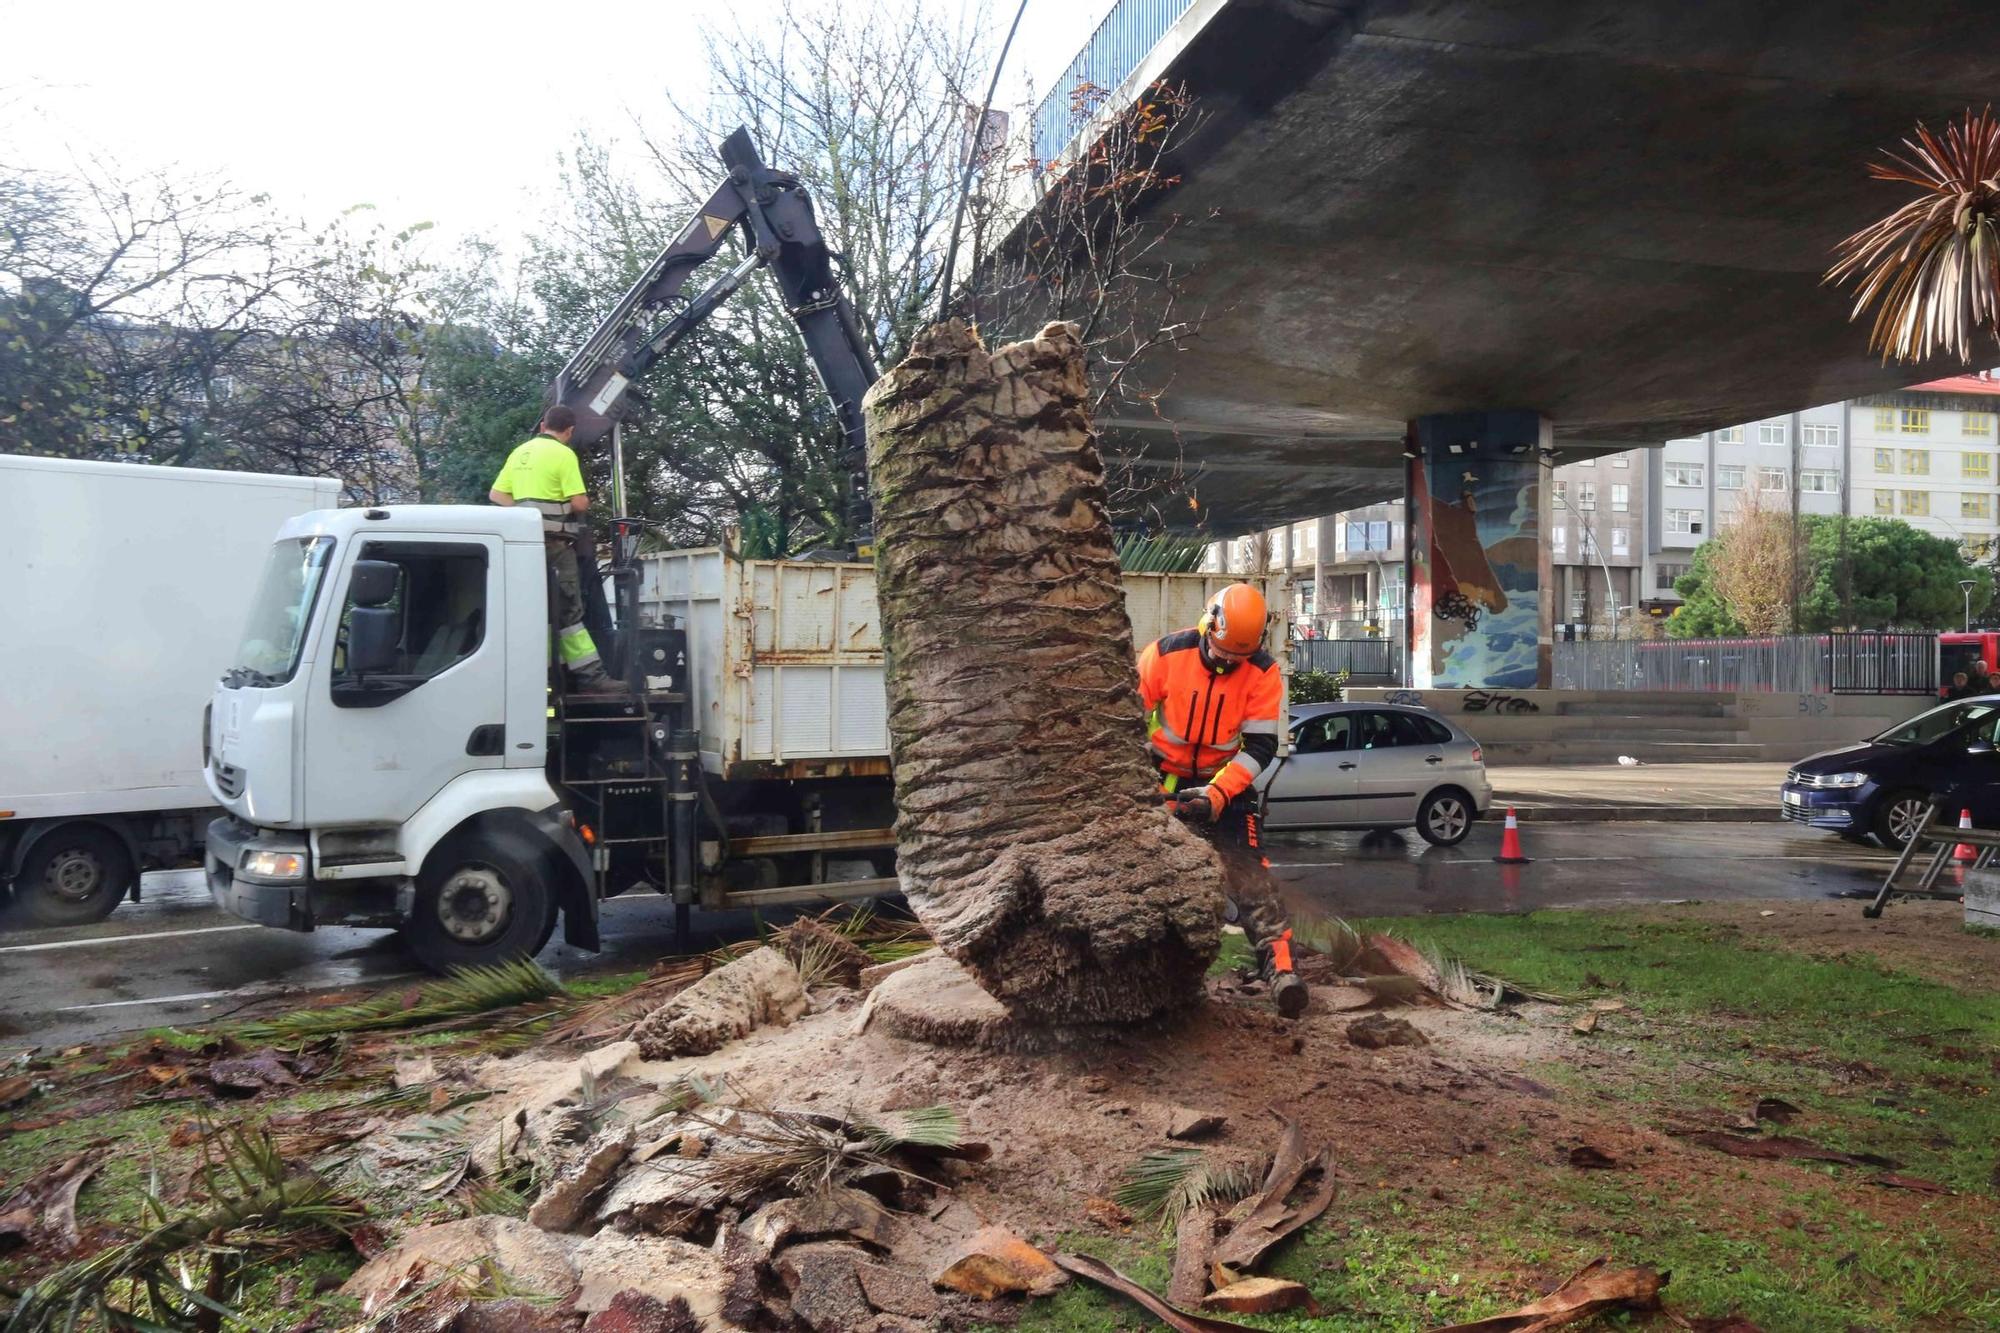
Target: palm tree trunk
(1030, 838)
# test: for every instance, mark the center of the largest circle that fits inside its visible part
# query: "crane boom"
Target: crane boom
(772, 212)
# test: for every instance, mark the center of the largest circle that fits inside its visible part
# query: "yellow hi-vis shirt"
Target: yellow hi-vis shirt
(543, 468)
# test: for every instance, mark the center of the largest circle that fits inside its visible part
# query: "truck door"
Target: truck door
(382, 745)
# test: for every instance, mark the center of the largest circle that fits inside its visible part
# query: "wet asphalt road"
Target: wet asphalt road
(174, 959)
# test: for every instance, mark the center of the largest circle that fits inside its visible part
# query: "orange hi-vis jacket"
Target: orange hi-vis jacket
(1205, 726)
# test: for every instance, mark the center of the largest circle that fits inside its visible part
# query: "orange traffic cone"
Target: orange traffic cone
(1965, 851)
(1510, 842)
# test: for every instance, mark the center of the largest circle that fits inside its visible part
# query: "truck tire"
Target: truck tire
(75, 875)
(482, 899)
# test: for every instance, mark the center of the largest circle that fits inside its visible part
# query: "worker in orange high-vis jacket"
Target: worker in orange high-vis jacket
(1214, 703)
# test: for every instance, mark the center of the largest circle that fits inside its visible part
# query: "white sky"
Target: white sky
(430, 110)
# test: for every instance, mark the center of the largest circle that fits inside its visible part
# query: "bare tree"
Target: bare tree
(1755, 568)
(1085, 238)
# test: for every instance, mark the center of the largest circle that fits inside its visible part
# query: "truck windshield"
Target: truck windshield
(281, 612)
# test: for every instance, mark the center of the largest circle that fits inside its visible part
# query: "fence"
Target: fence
(1885, 663)
(1121, 42)
(1357, 657)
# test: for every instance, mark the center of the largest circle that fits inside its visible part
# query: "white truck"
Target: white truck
(391, 754)
(122, 589)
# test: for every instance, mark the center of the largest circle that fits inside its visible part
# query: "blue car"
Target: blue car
(1881, 786)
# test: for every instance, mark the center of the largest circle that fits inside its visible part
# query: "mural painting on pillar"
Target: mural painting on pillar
(1478, 562)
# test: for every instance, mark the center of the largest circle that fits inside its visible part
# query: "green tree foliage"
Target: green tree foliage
(1891, 575)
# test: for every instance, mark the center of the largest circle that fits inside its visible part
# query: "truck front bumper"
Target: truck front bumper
(285, 904)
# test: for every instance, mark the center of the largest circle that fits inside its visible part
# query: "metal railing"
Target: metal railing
(1121, 42)
(1357, 657)
(1865, 663)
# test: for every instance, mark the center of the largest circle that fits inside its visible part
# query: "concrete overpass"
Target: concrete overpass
(1613, 213)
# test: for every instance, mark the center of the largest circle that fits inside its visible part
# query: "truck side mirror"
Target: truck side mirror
(372, 635)
(373, 582)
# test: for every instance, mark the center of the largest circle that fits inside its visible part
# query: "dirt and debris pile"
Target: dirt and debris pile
(1030, 839)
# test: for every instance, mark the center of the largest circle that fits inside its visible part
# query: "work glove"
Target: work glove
(1197, 807)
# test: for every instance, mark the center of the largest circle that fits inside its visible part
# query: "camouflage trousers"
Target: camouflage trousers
(1238, 835)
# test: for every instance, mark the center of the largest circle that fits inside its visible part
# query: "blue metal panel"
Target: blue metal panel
(1121, 42)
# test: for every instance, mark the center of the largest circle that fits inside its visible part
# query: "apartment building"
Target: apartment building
(1623, 527)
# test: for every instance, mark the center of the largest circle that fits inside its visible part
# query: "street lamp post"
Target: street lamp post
(1966, 586)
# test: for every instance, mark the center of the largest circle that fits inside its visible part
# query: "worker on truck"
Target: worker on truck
(1214, 700)
(543, 473)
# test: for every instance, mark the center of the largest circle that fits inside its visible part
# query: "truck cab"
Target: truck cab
(381, 744)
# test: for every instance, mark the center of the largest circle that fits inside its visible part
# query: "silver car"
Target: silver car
(1377, 766)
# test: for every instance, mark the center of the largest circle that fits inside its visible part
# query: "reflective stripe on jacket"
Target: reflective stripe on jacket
(1218, 728)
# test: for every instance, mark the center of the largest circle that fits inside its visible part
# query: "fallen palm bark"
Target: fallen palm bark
(1096, 1270)
(1591, 1291)
(1271, 1217)
(1030, 840)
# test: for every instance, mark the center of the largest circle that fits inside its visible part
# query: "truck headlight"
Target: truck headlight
(1843, 779)
(274, 865)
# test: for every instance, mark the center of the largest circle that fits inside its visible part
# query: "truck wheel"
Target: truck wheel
(75, 875)
(481, 900)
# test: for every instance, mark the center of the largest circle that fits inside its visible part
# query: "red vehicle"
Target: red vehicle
(1961, 652)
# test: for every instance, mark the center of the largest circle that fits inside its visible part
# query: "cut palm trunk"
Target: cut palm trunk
(1030, 838)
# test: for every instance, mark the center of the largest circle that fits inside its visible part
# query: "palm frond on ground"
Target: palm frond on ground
(1169, 1184)
(1932, 266)
(465, 992)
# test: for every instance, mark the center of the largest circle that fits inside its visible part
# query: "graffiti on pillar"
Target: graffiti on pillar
(1476, 542)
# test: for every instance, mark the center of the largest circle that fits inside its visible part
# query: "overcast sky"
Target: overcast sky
(430, 110)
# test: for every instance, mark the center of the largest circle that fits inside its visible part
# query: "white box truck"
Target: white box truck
(393, 754)
(123, 589)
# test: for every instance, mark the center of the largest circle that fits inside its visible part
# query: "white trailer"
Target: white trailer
(122, 594)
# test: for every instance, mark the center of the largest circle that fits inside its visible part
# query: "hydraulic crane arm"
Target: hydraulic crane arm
(775, 216)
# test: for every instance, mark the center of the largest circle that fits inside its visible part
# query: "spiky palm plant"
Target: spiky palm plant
(1933, 264)
(465, 992)
(1169, 1184)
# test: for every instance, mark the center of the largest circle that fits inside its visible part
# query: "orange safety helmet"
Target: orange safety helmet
(1234, 621)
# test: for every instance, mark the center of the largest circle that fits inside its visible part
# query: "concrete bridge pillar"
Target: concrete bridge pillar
(1478, 551)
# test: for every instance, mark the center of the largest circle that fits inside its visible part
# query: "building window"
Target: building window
(1885, 421)
(1979, 505)
(1728, 477)
(1825, 436)
(1913, 420)
(1579, 604)
(1684, 520)
(1664, 576)
(1771, 432)
(1729, 435)
(1917, 503)
(1771, 479)
(1561, 491)
(1819, 480)
(1885, 502)
(1621, 460)
(1976, 425)
(1586, 495)
(1378, 535)
(1976, 466)
(1621, 544)
(1621, 498)
(1917, 462)
(1885, 461)
(1683, 474)
(1558, 538)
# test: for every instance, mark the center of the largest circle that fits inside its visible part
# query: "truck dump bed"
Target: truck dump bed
(785, 656)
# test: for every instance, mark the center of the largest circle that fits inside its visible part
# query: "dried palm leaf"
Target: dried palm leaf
(1933, 264)
(243, 1194)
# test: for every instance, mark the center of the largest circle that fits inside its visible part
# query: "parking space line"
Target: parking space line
(122, 939)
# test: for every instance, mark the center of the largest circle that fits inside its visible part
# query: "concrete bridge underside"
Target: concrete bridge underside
(1613, 213)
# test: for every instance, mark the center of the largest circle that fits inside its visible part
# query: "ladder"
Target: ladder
(1945, 836)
